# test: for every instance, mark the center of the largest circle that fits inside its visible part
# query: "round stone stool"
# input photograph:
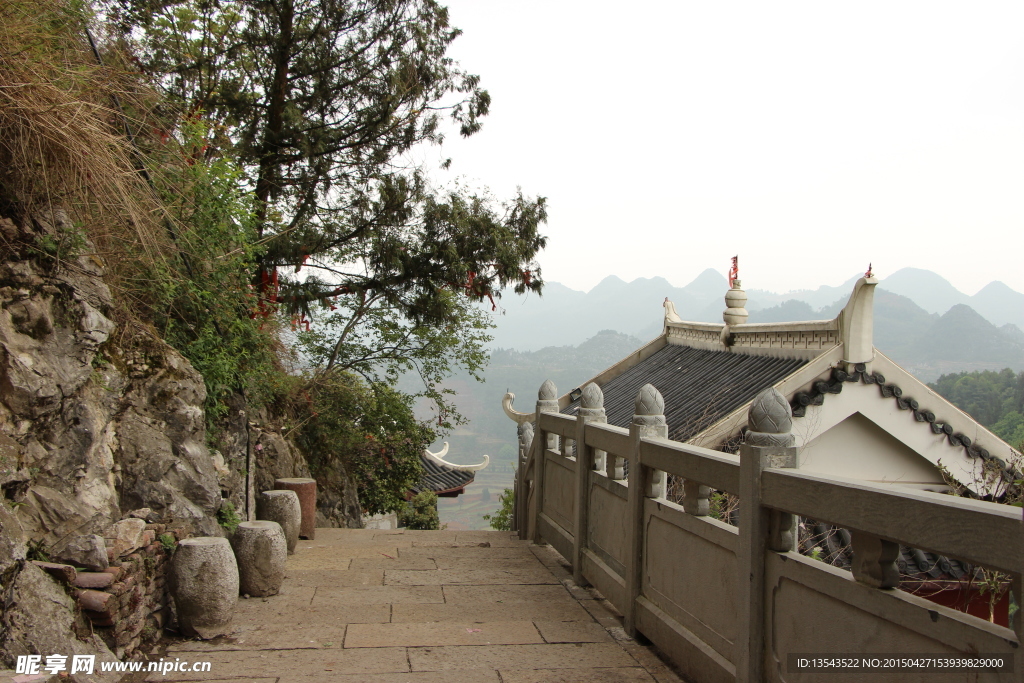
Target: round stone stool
(204, 579)
(305, 489)
(261, 552)
(282, 507)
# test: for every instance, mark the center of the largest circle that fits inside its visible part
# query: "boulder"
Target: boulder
(261, 553)
(204, 582)
(282, 507)
(126, 535)
(89, 552)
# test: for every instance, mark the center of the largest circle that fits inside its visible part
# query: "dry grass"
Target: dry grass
(62, 141)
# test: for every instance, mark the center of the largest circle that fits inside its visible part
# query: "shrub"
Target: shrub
(501, 520)
(421, 512)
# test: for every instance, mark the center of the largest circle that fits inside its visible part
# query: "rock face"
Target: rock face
(92, 427)
(40, 618)
(98, 419)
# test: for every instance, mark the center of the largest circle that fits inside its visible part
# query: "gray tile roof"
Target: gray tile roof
(440, 479)
(700, 387)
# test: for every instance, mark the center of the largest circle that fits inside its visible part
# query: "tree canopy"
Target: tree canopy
(321, 101)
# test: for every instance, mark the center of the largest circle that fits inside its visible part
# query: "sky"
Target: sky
(809, 138)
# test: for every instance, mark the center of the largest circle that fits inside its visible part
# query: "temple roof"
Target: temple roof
(699, 386)
(445, 478)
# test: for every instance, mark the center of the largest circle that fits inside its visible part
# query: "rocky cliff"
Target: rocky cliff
(99, 417)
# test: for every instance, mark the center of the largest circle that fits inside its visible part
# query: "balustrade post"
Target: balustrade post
(695, 498)
(648, 420)
(591, 411)
(768, 443)
(547, 402)
(874, 560)
(649, 416)
(521, 497)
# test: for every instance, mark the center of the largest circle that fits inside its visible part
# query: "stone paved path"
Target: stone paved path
(423, 607)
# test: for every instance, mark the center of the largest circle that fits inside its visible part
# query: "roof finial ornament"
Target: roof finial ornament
(735, 298)
(869, 273)
(670, 312)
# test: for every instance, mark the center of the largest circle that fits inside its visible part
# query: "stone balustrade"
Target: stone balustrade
(732, 603)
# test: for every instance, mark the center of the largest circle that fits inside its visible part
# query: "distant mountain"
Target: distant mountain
(921, 320)
(784, 312)
(963, 340)
(928, 290)
(999, 304)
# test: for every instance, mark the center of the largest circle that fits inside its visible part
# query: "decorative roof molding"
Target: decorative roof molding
(670, 312)
(514, 415)
(889, 390)
(856, 322)
(438, 459)
(735, 312)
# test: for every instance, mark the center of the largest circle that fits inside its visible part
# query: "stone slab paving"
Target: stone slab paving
(423, 607)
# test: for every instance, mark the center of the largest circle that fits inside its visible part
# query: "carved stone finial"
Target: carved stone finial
(769, 420)
(593, 397)
(649, 401)
(649, 407)
(548, 391)
(856, 322)
(735, 301)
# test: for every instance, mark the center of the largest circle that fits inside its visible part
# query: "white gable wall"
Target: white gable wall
(873, 439)
(860, 449)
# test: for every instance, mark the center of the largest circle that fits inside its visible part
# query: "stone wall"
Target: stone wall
(127, 604)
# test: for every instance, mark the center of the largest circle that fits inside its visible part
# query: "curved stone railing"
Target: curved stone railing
(737, 603)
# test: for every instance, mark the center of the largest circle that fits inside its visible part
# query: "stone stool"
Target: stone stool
(261, 552)
(305, 489)
(282, 507)
(204, 579)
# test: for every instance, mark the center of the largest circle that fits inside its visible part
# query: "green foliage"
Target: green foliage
(227, 517)
(987, 396)
(168, 543)
(421, 512)
(65, 243)
(1010, 428)
(202, 302)
(502, 519)
(36, 550)
(368, 430)
(369, 336)
(320, 102)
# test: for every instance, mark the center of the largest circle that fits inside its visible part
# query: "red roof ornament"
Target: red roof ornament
(869, 273)
(734, 272)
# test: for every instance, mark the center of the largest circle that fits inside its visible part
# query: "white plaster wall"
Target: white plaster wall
(860, 449)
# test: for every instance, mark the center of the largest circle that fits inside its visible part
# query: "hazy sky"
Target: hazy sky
(808, 137)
